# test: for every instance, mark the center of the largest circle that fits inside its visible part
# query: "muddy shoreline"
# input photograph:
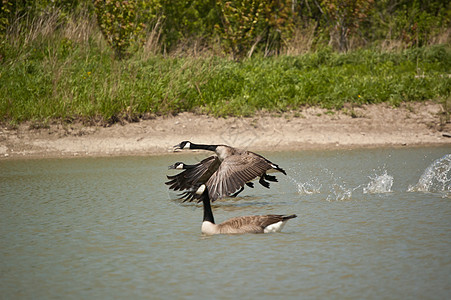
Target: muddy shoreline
(415, 124)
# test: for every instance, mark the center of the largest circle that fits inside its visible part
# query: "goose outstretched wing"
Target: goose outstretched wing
(194, 175)
(233, 173)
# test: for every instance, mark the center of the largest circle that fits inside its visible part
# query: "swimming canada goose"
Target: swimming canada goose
(225, 174)
(245, 224)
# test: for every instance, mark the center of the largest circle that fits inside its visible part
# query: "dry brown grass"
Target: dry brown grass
(81, 27)
(302, 41)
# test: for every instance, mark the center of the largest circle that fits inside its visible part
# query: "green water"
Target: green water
(107, 228)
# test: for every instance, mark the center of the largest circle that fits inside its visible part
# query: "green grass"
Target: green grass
(57, 79)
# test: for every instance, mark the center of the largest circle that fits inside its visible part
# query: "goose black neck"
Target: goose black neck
(208, 213)
(203, 147)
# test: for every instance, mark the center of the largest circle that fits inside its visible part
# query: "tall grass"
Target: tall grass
(64, 72)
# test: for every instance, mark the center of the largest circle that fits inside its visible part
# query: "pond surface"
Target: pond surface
(372, 224)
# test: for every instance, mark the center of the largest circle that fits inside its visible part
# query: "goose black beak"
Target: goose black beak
(171, 167)
(177, 147)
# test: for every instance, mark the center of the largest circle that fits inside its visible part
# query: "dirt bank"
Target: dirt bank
(312, 128)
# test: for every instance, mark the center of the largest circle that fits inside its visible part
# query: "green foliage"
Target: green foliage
(187, 21)
(245, 24)
(120, 23)
(240, 22)
(346, 16)
(244, 27)
(407, 23)
(414, 23)
(5, 16)
(85, 84)
(55, 64)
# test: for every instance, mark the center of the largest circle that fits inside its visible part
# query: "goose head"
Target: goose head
(177, 166)
(183, 145)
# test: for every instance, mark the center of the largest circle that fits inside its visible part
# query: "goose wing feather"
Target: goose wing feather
(194, 176)
(273, 165)
(234, 172)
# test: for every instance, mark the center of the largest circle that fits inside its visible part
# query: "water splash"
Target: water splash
(324, 180)
(313, 186)
(338, 189)
(379, 184)
(339, 192)
(436, 178)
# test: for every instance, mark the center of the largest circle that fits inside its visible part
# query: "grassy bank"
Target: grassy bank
(53, 78)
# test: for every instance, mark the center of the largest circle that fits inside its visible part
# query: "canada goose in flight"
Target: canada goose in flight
(245, 224)
(197, 174)
(225, 174)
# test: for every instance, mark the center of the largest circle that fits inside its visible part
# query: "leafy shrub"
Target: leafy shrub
(120, 24)
(249, 23)
(345, 17)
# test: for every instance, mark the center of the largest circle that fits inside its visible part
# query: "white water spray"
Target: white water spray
(338, 189)
(310, 187)
(436, 178)
(379, 184)
(339, 192)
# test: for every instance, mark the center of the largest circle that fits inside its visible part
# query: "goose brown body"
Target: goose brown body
(246, 224)
(239, 225)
